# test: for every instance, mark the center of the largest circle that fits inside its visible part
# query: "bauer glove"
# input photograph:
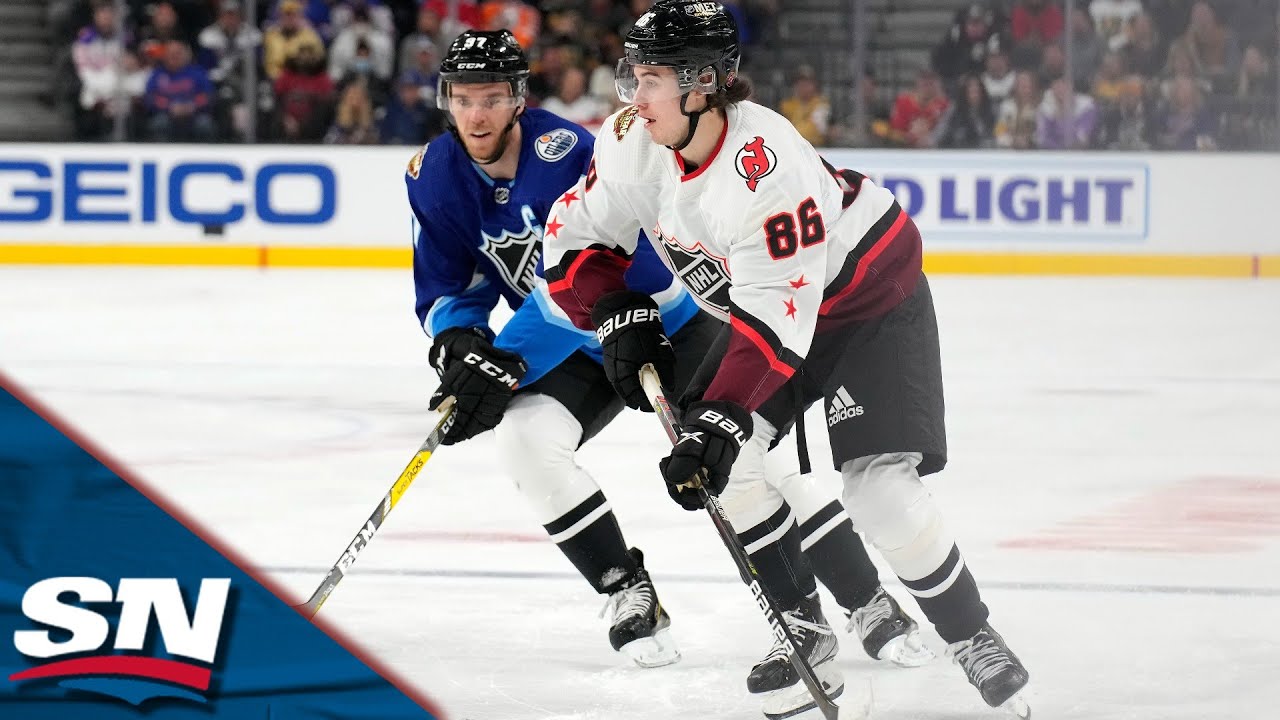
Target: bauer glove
(713, 434)
(480, 377)
(629, 328)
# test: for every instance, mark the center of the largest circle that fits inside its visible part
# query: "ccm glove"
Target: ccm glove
(629, 328)
(713, 434)
(480, 377)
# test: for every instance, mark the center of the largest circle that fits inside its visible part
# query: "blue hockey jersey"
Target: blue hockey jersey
(477, 240)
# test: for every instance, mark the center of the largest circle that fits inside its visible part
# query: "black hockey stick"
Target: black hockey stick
(764, 599)
(367, 531)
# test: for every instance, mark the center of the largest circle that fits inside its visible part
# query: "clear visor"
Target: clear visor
(457, 98)
(656, 83)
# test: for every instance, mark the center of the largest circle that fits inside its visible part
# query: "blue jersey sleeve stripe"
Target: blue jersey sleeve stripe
(470, 309)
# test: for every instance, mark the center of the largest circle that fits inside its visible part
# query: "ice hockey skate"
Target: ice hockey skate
(638, 625)
(776, 680)
(888, 633)
(994, 670)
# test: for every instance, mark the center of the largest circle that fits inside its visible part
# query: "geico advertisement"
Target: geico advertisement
(177, 194)
(355, 196)
(1006, 196)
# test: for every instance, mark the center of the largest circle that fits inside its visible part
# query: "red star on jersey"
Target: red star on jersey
(791, 308)
(553, 228)
(569, 197)
(797, 284)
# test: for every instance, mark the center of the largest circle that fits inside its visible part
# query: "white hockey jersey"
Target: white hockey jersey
(765, 234)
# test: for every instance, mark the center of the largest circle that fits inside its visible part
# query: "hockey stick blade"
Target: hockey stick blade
(764, 599)
(371, 526)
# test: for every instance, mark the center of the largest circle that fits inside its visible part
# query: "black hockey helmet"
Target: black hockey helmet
(691, 37)
(484, 56)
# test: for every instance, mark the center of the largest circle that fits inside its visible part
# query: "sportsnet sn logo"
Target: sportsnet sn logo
(843, 407)
(74, 649)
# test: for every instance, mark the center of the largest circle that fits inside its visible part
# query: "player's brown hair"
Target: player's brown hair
(738, 91)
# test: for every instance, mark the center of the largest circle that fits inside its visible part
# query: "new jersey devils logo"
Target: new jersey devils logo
(755, 160)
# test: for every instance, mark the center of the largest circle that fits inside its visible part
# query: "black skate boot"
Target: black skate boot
(775, 677)
(993, 668)
(888, 633)
(638, 625)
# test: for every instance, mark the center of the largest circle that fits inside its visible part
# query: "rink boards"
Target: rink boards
(979, 212)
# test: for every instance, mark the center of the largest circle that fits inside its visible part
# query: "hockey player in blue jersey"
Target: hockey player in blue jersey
(479, 198)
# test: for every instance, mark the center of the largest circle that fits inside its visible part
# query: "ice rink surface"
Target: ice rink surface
(1114, 482)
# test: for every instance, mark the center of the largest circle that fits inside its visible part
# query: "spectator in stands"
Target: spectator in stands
(1053, 64)
(228, 46)
(522, 20)
(807, 109)
(1250, 122)
(970, 121)
(304, 97)
(600, 84)
(998, 77)
(284, 39)
(161, 29)
(964, 49)
(361, 49)
(353, 123)
(1123, 123)
(917, 113)
(130, 99)
(548, 67)
(424, 68)
(319, 14)
(1181, 65)
(572, 102)
(1111, 16)
(467, 18)
(1016, 121)
(1211, 46)
(1144, 53)
(428, 29)
(1034, 24)
(373, 13)
(1185, 123)
(96, 54)
(1110, 80)
(179, 97)
(1086, 48)
(408, 119)
(1067, 119)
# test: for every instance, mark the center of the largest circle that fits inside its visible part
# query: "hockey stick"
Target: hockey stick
(764, 599)
(367, 531)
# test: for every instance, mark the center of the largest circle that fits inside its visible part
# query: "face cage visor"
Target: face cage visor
(445, 100)
(643, 83)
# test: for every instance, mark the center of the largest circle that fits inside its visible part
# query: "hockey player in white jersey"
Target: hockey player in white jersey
(478, 196)
(817, 275)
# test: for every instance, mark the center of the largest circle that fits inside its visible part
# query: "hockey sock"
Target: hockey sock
(838, 557)
(590, 537)
(949, 597)
(774, 548)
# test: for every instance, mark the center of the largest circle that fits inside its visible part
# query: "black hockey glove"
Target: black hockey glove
(713, 434)
(629, 328)
(478, 375)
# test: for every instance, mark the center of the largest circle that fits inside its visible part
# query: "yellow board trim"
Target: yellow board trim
(937, 263)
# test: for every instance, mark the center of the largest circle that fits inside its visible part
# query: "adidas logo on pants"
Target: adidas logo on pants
(843, 407)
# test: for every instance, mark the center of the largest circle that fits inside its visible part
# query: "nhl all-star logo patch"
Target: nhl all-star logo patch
(515, 253)
(754, 162)
(555, 145)
(704, 273)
